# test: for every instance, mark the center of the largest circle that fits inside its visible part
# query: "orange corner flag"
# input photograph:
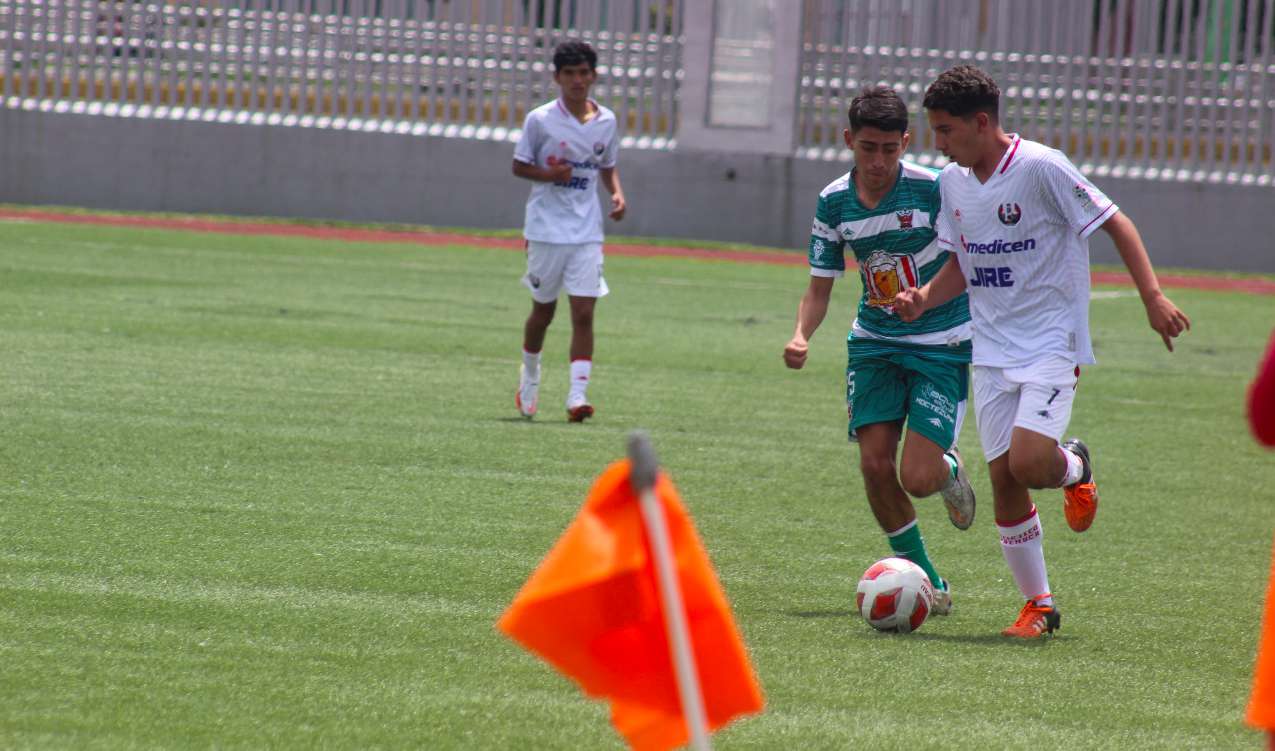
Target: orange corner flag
(1261, 702)
(592, 610)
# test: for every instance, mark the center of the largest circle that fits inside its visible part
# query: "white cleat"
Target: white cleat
(959, 496)
(578, 409)
(528, 393)
(942, 600)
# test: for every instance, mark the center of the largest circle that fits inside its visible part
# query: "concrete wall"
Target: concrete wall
(124, 163)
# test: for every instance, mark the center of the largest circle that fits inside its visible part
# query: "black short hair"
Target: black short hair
(574, 52)
(878, 107)
(964, 91)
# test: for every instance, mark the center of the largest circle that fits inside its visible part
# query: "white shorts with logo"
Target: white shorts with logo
(1037, 397)
(553, 266)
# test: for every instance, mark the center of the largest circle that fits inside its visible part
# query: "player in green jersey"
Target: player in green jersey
(883, 212)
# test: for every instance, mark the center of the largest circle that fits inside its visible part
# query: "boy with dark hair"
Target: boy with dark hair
(884, 211)
(567, 147)
(1017, 216)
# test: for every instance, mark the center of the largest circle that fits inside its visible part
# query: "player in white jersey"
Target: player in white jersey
(1018, 216)
(567, 147)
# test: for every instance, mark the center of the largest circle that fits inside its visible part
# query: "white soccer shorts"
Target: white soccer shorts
(1037, 397)
(554, 266)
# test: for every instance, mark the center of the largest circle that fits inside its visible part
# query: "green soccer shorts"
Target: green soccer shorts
(929, 393)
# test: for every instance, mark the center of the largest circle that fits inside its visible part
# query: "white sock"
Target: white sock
(531, 361)
(950, 462)
(1022, 546)
(580, 371)
(1075, 468)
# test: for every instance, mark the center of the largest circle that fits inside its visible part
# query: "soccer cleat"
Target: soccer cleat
(528, 393)
(959, 496)
(1080, 500)
(942, 600)
(1035, 620)
(579, 411)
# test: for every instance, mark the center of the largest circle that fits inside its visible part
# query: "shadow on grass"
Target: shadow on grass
(995, 640)
(840, 613)
(989, 639)
(552, 421)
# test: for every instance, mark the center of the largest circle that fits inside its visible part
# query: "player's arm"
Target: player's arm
(554, 173)
(611, 181)
(525, 159)
(810, 313)
(910, 303)
(1163, 315)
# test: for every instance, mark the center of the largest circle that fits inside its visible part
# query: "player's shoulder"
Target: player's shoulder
(604, 113)
(914, 171)
(542, 114)
(952, 172)
(840, 185)
(952, 177)
(1038, 156)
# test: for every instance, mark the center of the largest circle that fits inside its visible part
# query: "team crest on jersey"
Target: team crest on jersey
(598, 148)
(958, 215)
(1082, 195)
(905, 218)
(1009, 214)
(885, 275)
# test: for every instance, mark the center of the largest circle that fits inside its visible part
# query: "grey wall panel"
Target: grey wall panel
(1189, 225)
(257, 170)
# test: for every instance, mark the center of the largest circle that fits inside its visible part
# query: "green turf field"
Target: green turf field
(274, 493)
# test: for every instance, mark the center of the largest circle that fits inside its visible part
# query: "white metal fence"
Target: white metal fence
(448, 67)
(1181, 89)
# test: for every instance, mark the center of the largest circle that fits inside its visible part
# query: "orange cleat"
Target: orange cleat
(1035, 620)
(1080, 500)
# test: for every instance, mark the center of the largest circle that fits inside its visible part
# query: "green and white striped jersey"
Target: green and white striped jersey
(895, 246)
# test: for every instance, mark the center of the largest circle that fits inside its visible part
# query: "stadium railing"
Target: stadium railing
(1161, 89)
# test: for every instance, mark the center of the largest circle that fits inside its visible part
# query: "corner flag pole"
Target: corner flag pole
(644, 467)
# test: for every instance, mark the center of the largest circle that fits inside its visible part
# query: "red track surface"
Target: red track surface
(233, 227)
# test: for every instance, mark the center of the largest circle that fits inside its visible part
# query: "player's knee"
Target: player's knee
(1028, 469)
(917, 482)
(582, 319)
(876, 468)
(542, 313)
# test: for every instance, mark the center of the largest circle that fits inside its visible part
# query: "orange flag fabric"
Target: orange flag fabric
(592, 609)
(1261, 703)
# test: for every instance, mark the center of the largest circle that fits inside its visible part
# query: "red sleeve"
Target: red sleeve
(1261, 399)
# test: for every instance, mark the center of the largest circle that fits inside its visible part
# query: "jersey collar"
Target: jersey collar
(854, 188)
(567, 113)
(1009, 155)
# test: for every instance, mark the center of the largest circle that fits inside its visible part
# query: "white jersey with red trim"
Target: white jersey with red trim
(566, 212)
(1022, 239)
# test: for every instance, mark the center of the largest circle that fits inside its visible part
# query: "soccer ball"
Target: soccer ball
(894, 594)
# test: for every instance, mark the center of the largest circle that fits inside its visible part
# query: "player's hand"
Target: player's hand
(909, 304)
(795, 353)
(1166, 319)
(618, 206)
(558, 171)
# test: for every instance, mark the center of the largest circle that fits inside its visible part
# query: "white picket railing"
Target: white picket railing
(453, 67)
(1170, 89)
(1178, 89)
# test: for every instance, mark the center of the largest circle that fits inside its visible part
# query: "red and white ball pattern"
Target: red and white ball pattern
(894, 594)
